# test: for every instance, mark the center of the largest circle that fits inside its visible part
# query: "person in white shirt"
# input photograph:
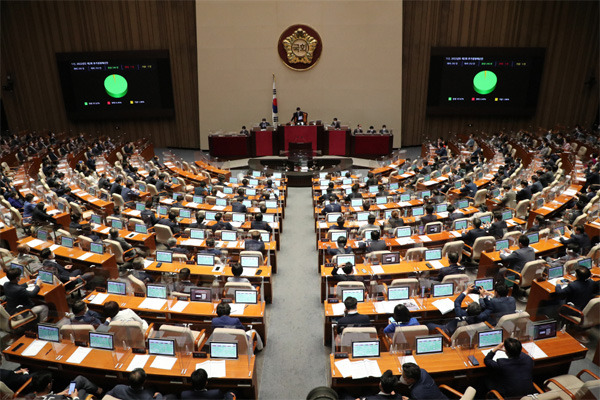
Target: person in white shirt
(112, 312)
(237, 271)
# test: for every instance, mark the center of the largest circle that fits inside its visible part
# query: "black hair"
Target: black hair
(375, 235)
(111, 309)
(347, 268)
(512, 347)
(453, 257)
(401, 313)
(524, 240)
(137, 377)
(41, 380)
(501, 289)
(582, 273)
(350, 303)
(476, 222)
(199, 379)
(78, 307)
(473, 309)
(223, 309)
(237, 269)
(13, 273)
(45, 253)
(411, 371)
(388, 381)
(184, 273)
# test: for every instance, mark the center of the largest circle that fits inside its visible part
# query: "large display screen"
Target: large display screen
(116, 85)
(484, 81)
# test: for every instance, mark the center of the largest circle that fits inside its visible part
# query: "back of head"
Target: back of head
(348, 268)
(401, 313)
(524, 240)
(498, 216)
(411, 371)
(41, 381)
(375, 235)
(255, 235)
(582, 273)
(429, 209)
(199, 379)
(171, 242)
(322, 393)
(371, 219)
(350, 303)
(223, 309)
(218, 217)
(78, 307)
(111, 309)
(512, 347)
(237, 269)
(453, 257)
(114, 233)
(172, 215)
(473, 309)
(45, 253)
(13, 274)
(258, 217)
(476, 223)
(184, 274)
(341, 241)
(388, 382)
(501, 290)
(137, 377)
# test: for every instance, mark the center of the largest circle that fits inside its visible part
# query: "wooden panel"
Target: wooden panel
(567, 29)
(32, 32)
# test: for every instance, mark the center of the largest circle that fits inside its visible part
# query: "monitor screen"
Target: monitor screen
(46, 277)
(486, 219)
(426, 193)
(333, 216)
(61, 207)
(140, 206)
(210, 215)
(417, 211)
(161, 347)
(197, 234)
(501, 244)
(206, 259)
(162, 210)
(269, 218)
(390, 258)
(495, 192)
(233, 180)
(203, 295)
(460, 225)
(433, 227)
(361, 349)
(462, 204)
(533, 238)
(336, 235)
(116, 287)
(367, 233)
(96, 219)
(229, 236)
(226, 350)
(373, 189)
(250, 192)
(265, 237)
(198, 199)
(48, 332)
(362, 216)
(249, 261)
(271, 203)
(544, 329)
(405, 197)
(555, 272)
(487, 284)
(247, 203)
(97, 248)
(342, 259)
(228, 190)
(42, 235)
(221, 202)
(429, 344)
(116, 223)
(398, 293)
(156, 291)
(358, 294)
(164, 256)
(253, 182)
(403, 231)
(102, 341)
(440, 208)
(432, 255)
(238, 217)
(142, 187)
(489, 338)
(507, 215)
(394, 186)
(277, 175)
(380, 200)
(246, 296)
(586, 262)
(185, 213)
(356, 202)
(66, 242)
(457, 184)
(443, 289)
(141, 228)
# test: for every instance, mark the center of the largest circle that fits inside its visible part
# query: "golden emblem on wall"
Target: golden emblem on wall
(299, 47)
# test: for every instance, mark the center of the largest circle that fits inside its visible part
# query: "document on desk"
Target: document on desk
(53, 212)
(344, 367)
(404, 204)
(139, 361)
(34, 348)
(137, 213)
(338, 308)
(404, 241)
(554, 281)
(236, 224)
(152, 303)
(232, 245)
(237, 309)
(364, 369)
(35, 243)
(105, 230)
(323, 225)
(444, 305)
(218, 208)
(147, 263)
(192, 204)
(455, 234)
(570, 192)
(214, 369)
(54, 247)
(78, 355)
(547, 208)
(180, 306)
(219, 243)
(85, 256)
(499, 354)
(192, 242)
(3, 280)
(407, 359)
(163, 362)
(249, 271)
(99, 298)
(534, 350)
(443, 214)
(168, 201)
(377, 269)
(221, 194)
(424, 238)
(436, 264)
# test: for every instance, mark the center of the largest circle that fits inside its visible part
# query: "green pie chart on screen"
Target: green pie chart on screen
(485, 82)
(116, 86)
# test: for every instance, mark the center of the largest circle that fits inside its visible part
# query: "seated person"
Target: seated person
(539, 223)
(178, 202)
(454, 214)
(518, 258)
(86, 231)
(171, 222)
(210, 248)
(513, 376)
(238, 206)
(18, 298)
(339, 225)
(498, 228)
(259, 224)
(82, 315)
(244, 131)
(401, 318)
(429, 216)
(138, 270)
(172, 246)
(579, 237)
(64, 274)
(351, 316)
(134, 390)
(148, 215)
(42, 388)
(184, 283)
(263, 124)
(421, 384)
(112, 313)
(30, 262)
(470, 236)
(474, 314)
(128, 193)
(221, 225)
(333, 206)
(369, 225)
(453, 268)
(199, 224)
(375, 244)
(237, 271)
(199, 379)
(469, 189)
(581, 291)
(500, 304)
(114, 235)
(387, 385)
(347, 270)
(341, 247)
(39, 214)
(255, 242)
(394, 221)
(223, 320)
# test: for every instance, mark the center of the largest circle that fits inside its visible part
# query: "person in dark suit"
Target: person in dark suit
(352, 317)
(263, 124)
(199, 379)
(135, 389)
(171, 222)
(63, 273)
(470, 236)
(128, 193)
(354, 194)
(387, 385)
(116, 186)
(384, 130)
(524, 193)
(221, 225)
(244, 131)
(172, 246)
(42, 383)
(223, 320)
(429, 216)
(18, 298)
(579, 238)
(498, 228)
(536, 185)
(254, 243)
(358, 129)
(238, 206)
(453, 213)
(347, 270)
(298, 117)
(81, 315)
(103, 182)
(259, 224)
(114, 235)
(500, 305)
(39, 213)
(421, 384)
(580, 291)
(336, 124)
(333, 206)
(453, 268)
(151, 178)
(148, 216)
(518, 258)
(469, 189)
(341, 247)
(210, 248)
(375, 244)
(199, 224)
(512, 376)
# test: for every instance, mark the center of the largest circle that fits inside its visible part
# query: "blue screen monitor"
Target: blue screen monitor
(365, 349)
(97, 248)
(96, 219)
(140, 206)
(534, 238)
(433, 254)
(164, 256)
(490, 338)
(501, 244)
(443, 289)
(487, 284)
(185, 213)
(116, 287)
(224, 350)
(507, 215)
(156, 291)
(342, 259)
(66, 242)
(429, 344)
(460, 225)
(141, 228)
(197, 234)
(48, 332)
(246, 296)
(403, 231)
(398, 293)
(357, 293)
(417, 211)
(586, 262)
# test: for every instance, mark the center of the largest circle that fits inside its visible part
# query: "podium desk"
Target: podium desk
(338, 142)
(313, 134)
(199, 314)
(370, 145)
(488, 266)
(110, 367)
(453, 368)
(9, 234)
(205, 275)
(262, 142)
(229, 146)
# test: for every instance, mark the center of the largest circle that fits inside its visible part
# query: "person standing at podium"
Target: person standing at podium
(299, 117)
(336, 124)
(263, 124)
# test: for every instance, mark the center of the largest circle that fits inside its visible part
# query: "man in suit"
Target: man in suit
(333, 206)
(238, 206)
(470, 236)
(148, 216)
(369, 225)
(375, 244)
(336, 124)
(358, 129)
(512, 376)
(469, 189)
(151, 178)
(103, 182)
(39, 213)
(135, 389)
(128, 193)
(199, 224)
(509, 197)
(116, 186)
(223, 320)
(354, 194)
(580, 291)
(371, 130)
(18, 298)
(172, 246)
(254, 243)
(536, 185)
(387, 386)
(298, 117)
(259, 224)
(518, 258)
(453, 213)
(525, 192)
(64, 274)
(498, 227)
(579, 238)
(210, 248)
(114, 235)
(263, 124)
(500, 304)
(453, 268)
(341, 247)
(428, 217)
(171, 222)
(221, 225)
(244, 131)
(384, 130)
(352, 317)
(199, 380)
(421, 384)
(592, 177)
(42, 383)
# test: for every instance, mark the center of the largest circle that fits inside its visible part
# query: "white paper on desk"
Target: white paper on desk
(85, 256)
(30, 287)
(213, 368)
(249, 271)
(364, 369)
(219, 243)
(53, 212)
(323, 225)
(139, 361)
(444, 305)
(35, 243)
(137, 213)
(424, 238)
(596, 223)
(455, 234)
(105, 230)
(168, 201)
(405, 175)
(404, 241)
(3, 280)
(534, 350)
(54, 247)
(221, 194)
(377, 269)
(407, 359)
(437, 264)
(180, 306)
(382, 206)
(404, 204)
(554, 281)
(474, 297)
(237, 309)
(78, 355)
(192, 242)
(191, 204)
(570, 192)
(411, 304)
(34, 348)
(147, 263)
(361, 223)
(232, 245)
(344, 367)
(499, 354)
(236, 224)
(443, 214)
(99, 298)
(152, 303)
(547, 208)
(380, 307)
(338, 308)
(163, 362)
(218, 208)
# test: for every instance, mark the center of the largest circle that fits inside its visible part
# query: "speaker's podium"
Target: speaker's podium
(312, 133)
(262, 141)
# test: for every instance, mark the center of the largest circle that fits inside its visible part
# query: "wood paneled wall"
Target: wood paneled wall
(567, 29)
(33, 31)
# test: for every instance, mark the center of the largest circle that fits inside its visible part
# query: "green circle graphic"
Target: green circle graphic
(485, 82)
(116, 86)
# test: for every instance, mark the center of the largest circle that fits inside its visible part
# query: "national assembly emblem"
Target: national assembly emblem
(300, 47)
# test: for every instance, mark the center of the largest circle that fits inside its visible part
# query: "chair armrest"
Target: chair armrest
(495, 393)
(489, 325)
(17, 394)
(451, 390)
(588, 372)
(198, 342)
(25, 320)
(444, 334)
(561, 387)
(519, 276)
(569, 318)
(77, 287)
(149, 331)
(539, 389)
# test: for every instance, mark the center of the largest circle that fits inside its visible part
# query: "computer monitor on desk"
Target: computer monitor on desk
(362, 216)
(336, 235)
(398, 293)
(356, 202)
(405, 197)
(246, 296)
(210, 215)
(390, 258)
(66, 242)
(489, 338)
(365, 348)
(433, 254)
(418, 211)
(156, 291)
(164, 256)
(586, 262)
(544, 329)
(357, 293)
(103, 341)
(116, 287)
(501, 244)
(249, 261)
(506, 215)
(161, 347)
(229, 236)
(197, 234)
(48, 332)
(555, 272)
(460, 225)
(462, 204)
(429, 344)
(342, 259)
(116, 223)
(403, 231)
(185, 213)
(534, 237)
(442, 289)
(224, 350)
(46, 277)
(203, 295)
(205, 259)
(486, 284)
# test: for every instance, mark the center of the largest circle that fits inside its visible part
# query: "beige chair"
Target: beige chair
(574, 387)
(456, 221)
(513, 237)
(17, 218)
(152, 190)
(415, 254)
(76, 332)
(137, 285)
(484, 243)
(531, 270)
(195, 338)
(582, 151)
(246, 344)
(65, 203)
(179, 257)
(80, 211)
(404, 337)
(343, 285)
(589, 317)
(580, 220)
(469, 393)
(479, 198)
(261, 259)
(163, 233)
(118, 200)
(120, 255)
(10, 323)
(131, 333)
(60, 233)
(464, 335)
(522, 209)
(454, 246)
(353, 334)
(412, 283)
(230, 288)
(460, 281)
(376, 255)
(133, 221)
(431, 226)
(517, 325)
(85, 242)
(544, 233)
(594, 254)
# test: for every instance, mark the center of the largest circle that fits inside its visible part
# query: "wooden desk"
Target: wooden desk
(453, 367)
(190, 176)
(105, 366)
(99, 205)
(106, 261)
(593, 228)
(197, 313)
(488, 260)
(9, 234)
(53, 295)
(554, 206)
(147, 240)
(214, 171)
(388, 169)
